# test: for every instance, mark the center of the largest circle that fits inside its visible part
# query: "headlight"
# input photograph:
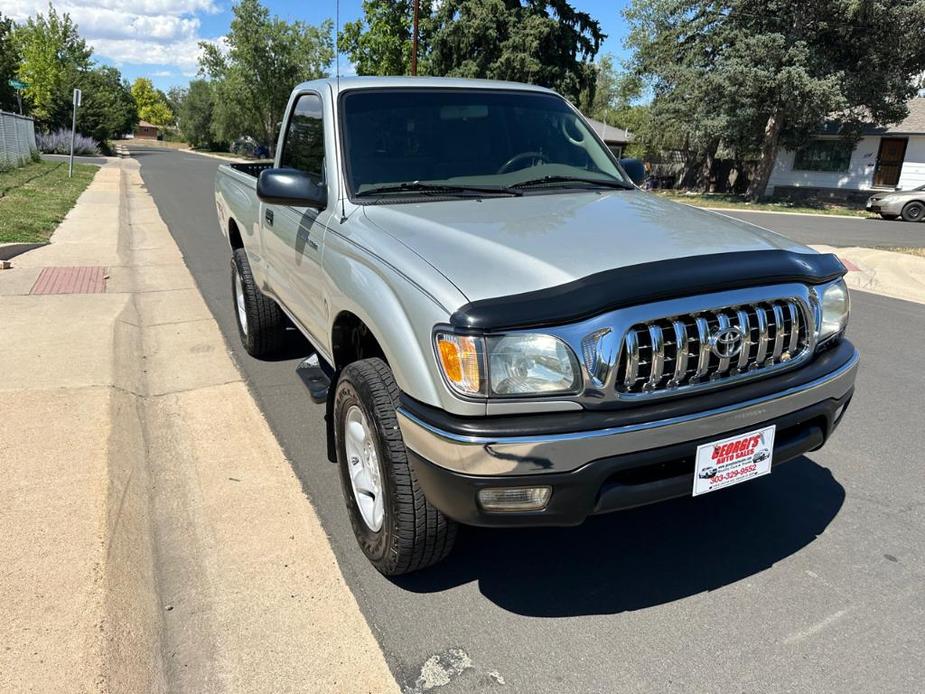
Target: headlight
(507, 365)
(834, 306)
(531, 364)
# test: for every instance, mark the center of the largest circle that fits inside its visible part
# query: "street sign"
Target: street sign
(17, 85)
(70, 165)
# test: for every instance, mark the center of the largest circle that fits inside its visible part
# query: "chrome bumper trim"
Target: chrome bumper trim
(531, 455)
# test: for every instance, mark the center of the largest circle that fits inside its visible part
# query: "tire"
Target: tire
(914, 211)
(261, 324)
(411, 534)
(889, 217)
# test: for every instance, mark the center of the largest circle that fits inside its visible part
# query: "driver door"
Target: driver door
(295, 235)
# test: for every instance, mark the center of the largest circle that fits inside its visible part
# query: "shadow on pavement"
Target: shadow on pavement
(647, 556)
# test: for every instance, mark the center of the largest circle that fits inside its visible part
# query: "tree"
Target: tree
(107, 108)
(151, 103)
(196, 114)
(379, 43)
(545, 42)
(752, 75)
(175, 97)
(9, 61)
(52, 58)
(265, 56)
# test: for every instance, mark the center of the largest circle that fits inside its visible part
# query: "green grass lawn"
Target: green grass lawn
(34, 198)
(734, 202)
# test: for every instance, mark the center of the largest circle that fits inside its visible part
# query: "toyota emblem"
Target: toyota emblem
(727, 342)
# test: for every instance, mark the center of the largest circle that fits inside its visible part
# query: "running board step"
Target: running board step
(315, 377)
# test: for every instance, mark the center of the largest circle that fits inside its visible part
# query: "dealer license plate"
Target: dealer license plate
(721, 464)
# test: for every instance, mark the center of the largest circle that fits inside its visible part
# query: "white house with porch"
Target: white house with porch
(886, 158)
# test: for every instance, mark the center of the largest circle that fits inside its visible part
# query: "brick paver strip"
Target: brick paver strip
(70, 280)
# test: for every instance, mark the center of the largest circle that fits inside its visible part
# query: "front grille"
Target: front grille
(675, 352)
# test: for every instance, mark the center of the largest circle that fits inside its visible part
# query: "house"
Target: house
(146, 130)
(886, 158)
(615, 138)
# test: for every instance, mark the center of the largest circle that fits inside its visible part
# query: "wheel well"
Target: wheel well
(234, 236)
(352, 340)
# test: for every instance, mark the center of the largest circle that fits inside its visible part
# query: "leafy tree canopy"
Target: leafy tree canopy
(196, 114)
(265, 57)
(151, 103)
(545, 42)
(107, 108)
(379, 43)
(755, 74)
(9, 62)
(52, 57)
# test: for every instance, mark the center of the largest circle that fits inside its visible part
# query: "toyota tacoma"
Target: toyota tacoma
(507, 331)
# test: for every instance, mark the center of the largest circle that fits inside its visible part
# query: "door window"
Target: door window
(303, 147)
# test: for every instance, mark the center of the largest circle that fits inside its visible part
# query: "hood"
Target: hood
(501, 246)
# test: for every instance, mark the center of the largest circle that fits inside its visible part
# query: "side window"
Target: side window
(303, 147)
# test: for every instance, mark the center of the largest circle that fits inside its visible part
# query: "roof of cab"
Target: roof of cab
(346, 83)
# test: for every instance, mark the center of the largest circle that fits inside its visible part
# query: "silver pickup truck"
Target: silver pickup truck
(508, 331)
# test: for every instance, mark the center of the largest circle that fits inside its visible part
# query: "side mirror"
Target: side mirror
(290, 187)
(635, 169)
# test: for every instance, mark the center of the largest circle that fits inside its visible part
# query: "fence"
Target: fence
(17, 140)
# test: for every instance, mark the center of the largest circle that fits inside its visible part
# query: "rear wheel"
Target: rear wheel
(914, 211)
(261, 324)
(398, 530)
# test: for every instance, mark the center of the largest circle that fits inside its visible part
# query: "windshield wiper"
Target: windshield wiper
(437, 188)
(546, 180)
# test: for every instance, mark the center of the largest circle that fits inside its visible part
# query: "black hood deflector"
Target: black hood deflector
(645, 283)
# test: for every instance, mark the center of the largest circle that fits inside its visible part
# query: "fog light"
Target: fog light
(514, 498)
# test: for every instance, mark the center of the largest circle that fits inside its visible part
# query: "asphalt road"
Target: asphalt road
(839, 231)
(810, 579)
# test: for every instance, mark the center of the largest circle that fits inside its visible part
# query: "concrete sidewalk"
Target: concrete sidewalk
(152, 535)
(897, 275)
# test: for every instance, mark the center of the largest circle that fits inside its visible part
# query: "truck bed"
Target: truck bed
(252, 168)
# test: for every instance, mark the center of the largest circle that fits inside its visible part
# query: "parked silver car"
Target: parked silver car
(908, 204)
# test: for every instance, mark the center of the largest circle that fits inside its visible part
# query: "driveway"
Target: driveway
(806, 580)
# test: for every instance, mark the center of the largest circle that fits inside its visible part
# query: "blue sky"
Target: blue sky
(159, 38)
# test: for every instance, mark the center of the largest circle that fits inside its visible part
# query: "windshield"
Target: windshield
(468, 137)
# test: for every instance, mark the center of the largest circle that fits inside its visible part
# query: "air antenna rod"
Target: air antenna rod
(341, 182)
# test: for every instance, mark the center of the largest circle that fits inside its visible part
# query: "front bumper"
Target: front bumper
(631, 463)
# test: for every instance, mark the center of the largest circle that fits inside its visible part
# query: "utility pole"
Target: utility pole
(70, 165)
(414, 39)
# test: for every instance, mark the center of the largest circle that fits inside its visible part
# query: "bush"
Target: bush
(59, 142)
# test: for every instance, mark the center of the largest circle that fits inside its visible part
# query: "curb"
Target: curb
(227, 160)
(783, 212)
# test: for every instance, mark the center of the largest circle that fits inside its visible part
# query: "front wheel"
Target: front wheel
(914, 211)
(398, 530)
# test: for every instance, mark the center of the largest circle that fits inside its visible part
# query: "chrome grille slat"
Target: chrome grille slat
(657, 340)
(794, 328)
(762, 352)
(681, 355)
(703, 357)
(678, 352)
(745, 327)
(778, 331)
(723, 366)
(632, 359)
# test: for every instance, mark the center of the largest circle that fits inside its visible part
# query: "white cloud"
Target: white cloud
(145, 32)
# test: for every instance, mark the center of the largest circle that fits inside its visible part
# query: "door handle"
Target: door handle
(268, 216)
